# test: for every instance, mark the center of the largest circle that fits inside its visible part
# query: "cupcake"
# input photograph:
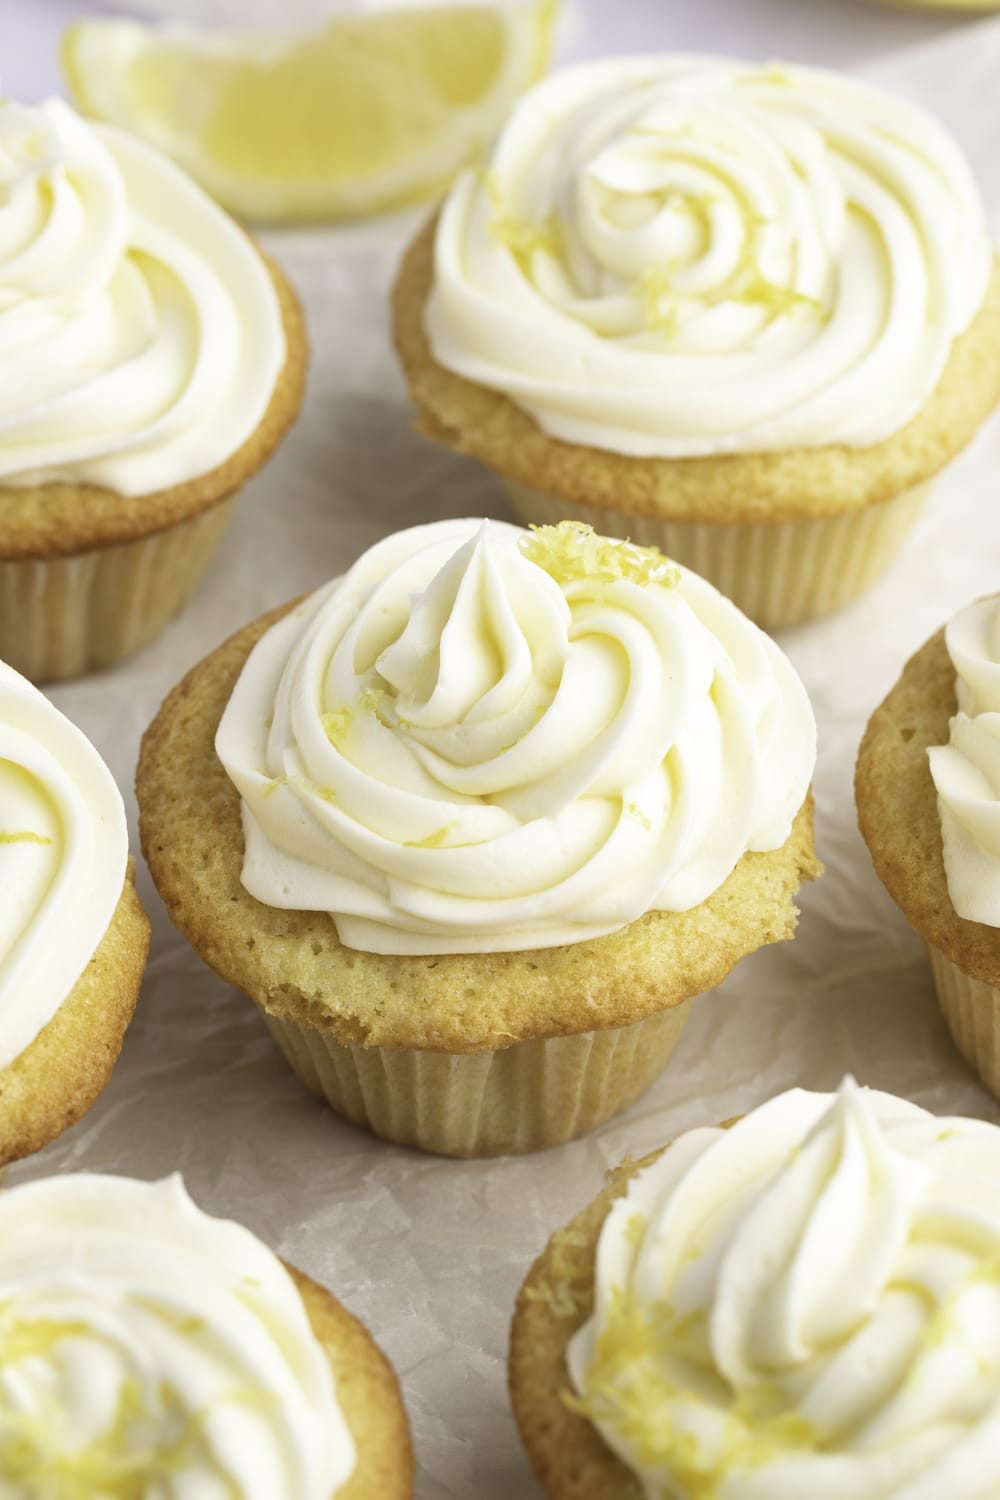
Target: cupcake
(803, 1304)
(73, 936)
(928, 792)
(474, 823)
(153, 360)
(149, 1349)
(741, 313)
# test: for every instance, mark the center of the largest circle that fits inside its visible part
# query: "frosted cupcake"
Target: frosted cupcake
(149, 1349)
(804, 1304)
(928, 794)
(476, 822)
(744, 314)
(153, 360)
(73, 936)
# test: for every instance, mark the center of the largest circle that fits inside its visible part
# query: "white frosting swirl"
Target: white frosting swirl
(149, 1350)
(966, 771)
(807, 1304)
(63, 855)
(677, 256)
(483, 740)
(140, 334)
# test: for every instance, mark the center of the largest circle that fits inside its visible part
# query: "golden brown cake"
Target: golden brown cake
(454, 1034)
(603, 341)
(901, 821)
(570, 1459)
(51, 1084)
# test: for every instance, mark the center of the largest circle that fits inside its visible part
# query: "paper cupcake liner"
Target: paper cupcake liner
(60, 617)
(972, 1011)
(779, 573)
(521, 1098)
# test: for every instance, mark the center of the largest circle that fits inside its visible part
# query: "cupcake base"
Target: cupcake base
(87, 576)
(462, 1054)
(526, 1097)
(63, 616)
(972, 1011)
(779, 573)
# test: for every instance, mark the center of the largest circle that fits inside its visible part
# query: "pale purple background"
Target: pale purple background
(838, 32)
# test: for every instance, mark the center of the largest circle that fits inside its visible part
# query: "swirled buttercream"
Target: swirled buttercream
(148, 1350)
(966, 771)
(805, 1304)
(140, 334)
(674, 256)
(483, 739)
(63, 855)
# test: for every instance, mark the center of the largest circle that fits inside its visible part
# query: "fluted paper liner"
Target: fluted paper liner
(779, 573)
(972, 1011)
(525, 1097)
(63, 616)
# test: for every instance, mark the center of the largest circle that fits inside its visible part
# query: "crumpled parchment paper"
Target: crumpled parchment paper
(430, 1252)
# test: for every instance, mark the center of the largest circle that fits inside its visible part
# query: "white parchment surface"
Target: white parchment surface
(429, 1252)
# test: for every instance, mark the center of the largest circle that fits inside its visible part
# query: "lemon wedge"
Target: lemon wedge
(375, 110)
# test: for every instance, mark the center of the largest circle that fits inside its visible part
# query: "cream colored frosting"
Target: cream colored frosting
(966, 771)
(807, 1304)
(675, 255)
(63, 855)
(481, 739)
(140, 334)
(148, 1350)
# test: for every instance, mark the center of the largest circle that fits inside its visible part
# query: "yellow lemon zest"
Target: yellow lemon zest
(25, 837)
(337, 722)
(138, 1449)
(572, 552)
(746, 283)
(635, 1229)
(435, 840)
(634, 811)
(569, 1287)
(521, 237)
(627, 1391)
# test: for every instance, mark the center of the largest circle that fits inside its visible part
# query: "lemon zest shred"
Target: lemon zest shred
(571, 552)
(338, 721)
(746, 283)
(520, 236)
(635, 1230)
(145, 1439)
(634, 811)
(569, 1287)
(626, 1390)
(24, 836)
(435, 840)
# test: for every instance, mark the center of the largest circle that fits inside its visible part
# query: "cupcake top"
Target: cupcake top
(485, 739)
(63, 856)
(148, 1349)
(683, 256)
(966, 771)
(140, 332)
(807, 1303)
